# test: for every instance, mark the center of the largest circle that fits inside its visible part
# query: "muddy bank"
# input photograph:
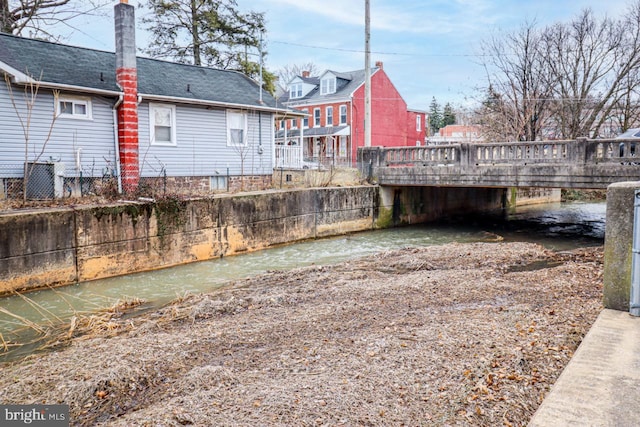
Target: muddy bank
(469, 334)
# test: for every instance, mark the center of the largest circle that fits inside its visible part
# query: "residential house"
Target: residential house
(333, 129)
(98, 114)
(457, 133)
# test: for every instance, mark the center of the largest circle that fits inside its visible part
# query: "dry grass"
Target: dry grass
(460, 334)
(54, 332)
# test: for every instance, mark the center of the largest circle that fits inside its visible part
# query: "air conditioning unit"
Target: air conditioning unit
(44, 180)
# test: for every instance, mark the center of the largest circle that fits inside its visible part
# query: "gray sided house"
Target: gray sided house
(196, 126)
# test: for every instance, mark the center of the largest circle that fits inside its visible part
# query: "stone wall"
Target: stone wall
(204, 185)
(310, 178)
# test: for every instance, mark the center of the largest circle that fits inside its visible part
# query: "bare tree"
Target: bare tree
(626, 113)
(591, 63)
(495, 117)
(34, 18)
(566, 80)
(519, 83)
(289, 71)
(24, 113)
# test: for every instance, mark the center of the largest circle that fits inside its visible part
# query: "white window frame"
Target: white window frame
(295, 91)
(152, 124)
(73, 100)
(329, 116)
(343, 107)
(294, 123)
(305, 120)
(231, 116)
(316, 117)
(418, 123)
(328, 86)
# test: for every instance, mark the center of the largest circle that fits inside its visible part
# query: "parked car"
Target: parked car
(630, 134)
(633, 134)
(308, 164)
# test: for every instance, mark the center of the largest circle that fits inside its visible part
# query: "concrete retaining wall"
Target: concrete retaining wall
(58, 247)
(63, 246)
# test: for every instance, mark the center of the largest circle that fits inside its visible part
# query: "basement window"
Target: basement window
(218, 182)
(73, 107)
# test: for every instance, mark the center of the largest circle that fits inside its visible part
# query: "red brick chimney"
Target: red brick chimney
(379, 65)
(127, 79)
(306, 74)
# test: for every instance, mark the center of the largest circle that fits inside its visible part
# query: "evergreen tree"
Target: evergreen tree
(435, 116)
(207, 32)
(448, 116)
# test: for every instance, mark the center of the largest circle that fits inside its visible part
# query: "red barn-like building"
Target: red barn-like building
(334, 128)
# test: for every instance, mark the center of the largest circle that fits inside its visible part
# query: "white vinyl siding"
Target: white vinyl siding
(203, 151)
(92, 142)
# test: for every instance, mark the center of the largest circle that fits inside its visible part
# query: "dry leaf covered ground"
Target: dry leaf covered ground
(459, 334)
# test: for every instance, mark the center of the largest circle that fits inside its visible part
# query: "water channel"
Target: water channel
(556, 226)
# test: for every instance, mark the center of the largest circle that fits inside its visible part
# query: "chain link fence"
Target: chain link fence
(40, 184)
(48, 181)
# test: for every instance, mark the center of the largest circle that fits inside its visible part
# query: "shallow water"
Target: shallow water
(556, 226)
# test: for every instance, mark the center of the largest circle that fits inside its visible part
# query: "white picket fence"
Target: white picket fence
(289, 156)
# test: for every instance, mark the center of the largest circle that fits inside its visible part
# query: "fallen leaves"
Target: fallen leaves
(444, 335)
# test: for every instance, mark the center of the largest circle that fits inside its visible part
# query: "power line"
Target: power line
(338, 49)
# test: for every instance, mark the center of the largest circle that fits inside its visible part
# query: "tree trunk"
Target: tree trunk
(6, 20)
(195, 33)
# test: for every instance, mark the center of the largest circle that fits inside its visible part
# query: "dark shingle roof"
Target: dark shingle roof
(346, 83)
(319, 131)
(94, 69)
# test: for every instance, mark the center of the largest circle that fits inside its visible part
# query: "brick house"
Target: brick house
(334, 127)
(457, 133)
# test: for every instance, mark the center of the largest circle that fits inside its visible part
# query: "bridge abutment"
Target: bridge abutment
(414, 205)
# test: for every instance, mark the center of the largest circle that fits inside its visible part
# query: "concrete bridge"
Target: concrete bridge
(581, 163)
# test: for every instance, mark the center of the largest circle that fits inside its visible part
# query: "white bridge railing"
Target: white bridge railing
(579, 152)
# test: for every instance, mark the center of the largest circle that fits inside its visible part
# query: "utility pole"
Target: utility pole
(367, 72)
